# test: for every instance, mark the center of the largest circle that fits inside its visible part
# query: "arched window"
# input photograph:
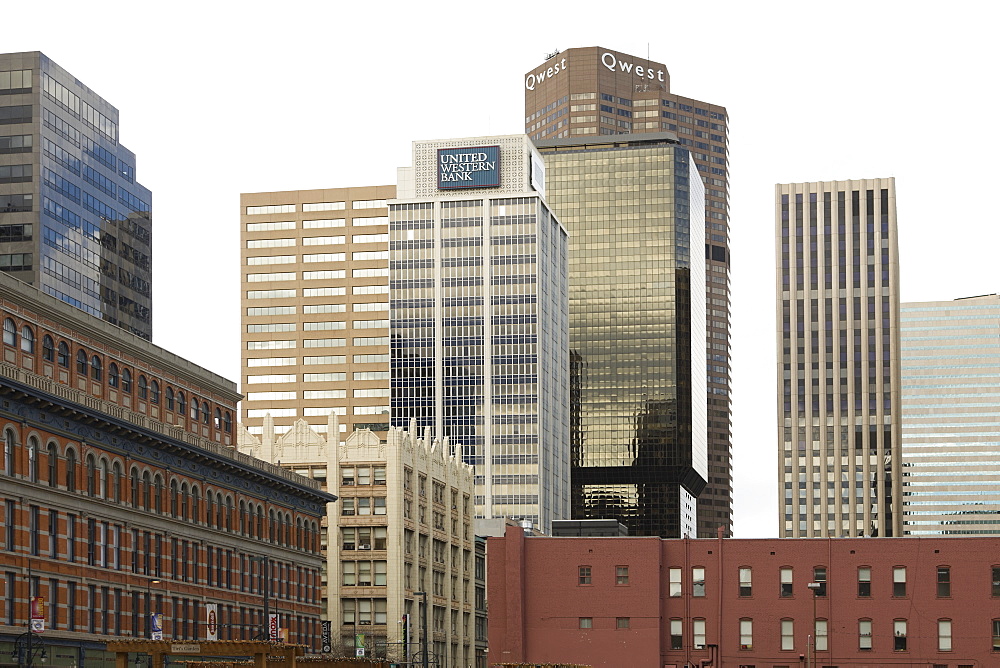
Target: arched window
(143, 387)
(243, 519)
(91, 476)
(154, 392)
(53, 453)
(181, 403)
(116, 482)
(48, 349)
(260, 522)
(227, 423)
(63, 358)
(126, 380)
(271, 526)
(158, 494)
(27, 339)
(102, 479)
(298, 532)
(209, 516)
(81, 362)
(9, 440)
(170, 399)
(174, 498)
(112, 375)
(134, 480)
(229, 513)
(204, 412)
(33, 459)
(9, 332)
(184, 501)
(195, 504)
(217, 421)
(194, 409)
(147, 490)
(95, 367)
(219, 510)
(70, 470)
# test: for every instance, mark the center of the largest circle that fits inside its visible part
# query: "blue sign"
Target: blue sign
(476, 167)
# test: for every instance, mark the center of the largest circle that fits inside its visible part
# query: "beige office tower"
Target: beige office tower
(403, 525)
(315, 308)
(838, 370)
(586, 93)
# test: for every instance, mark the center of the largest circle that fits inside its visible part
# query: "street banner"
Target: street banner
(37, 614)
(212, 621)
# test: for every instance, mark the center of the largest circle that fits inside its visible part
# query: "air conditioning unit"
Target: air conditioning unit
(746, 646)
(364, 546)
(348, 546)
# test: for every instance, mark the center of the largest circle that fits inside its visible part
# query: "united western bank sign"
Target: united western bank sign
(475, 167)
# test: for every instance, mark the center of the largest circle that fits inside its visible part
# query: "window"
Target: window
(143, 388)
(622, 622)
(786, 582)
(621, 575)
(698, 581)
(944, 635)
(864, 634)
(899, 581)
(96, 367)
(63, 358)
(899, 635)
(864, 582)
(746, 582)
(154, 392)
(675, 582)
(819, 578)
(112, 375)
(746, 633)
(676, 634)
(126, 380)
(821, 635)
(698, 631)
(996, 581)
(9, 332)
(27, 340)
(996, 635)
(586, 622)
(787, 634)
(943, 582)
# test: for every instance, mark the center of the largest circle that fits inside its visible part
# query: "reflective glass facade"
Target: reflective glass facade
(73, 219)
(838, 360)
(951, 419)
(478, 322)
(637, 329)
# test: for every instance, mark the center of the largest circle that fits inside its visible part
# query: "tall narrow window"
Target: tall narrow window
(675, 582)
(899, 581)
(996, 581)
(820, 635)
(864, 582)
(864, 634)
(996, 635)
(819, 578)
(9, 332)
(676, 634)
(746, 633)
(899, 635)
(786, 582)
(944, 635)
(787, 634)
(698, 581)
(698, 631)
(48, 349)
(943, 581)
(746, 582)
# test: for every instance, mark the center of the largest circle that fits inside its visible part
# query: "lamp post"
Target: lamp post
(266, 591)
(26, 647)
(149, 607)
(425, 657)
(811, 641)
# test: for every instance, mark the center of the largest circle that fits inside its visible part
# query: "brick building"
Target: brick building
(121, 494)
(842, 602)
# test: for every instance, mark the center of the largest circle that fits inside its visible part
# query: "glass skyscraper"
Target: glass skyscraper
(73, 219)
(478, 319)
(634, 207)
(951, 421)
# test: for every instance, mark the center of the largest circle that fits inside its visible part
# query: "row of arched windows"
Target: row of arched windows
(89, 365)
(104, 478)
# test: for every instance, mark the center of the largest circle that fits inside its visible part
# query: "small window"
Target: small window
(943, 582)
(675, 582)
(787, 634)
(621, 575)
(746, 634)
(996, 635)
(170, 398)
(96, 367)
(227, 422)
(48, 349)
(347, 506)
(746, 582)
(899, 581)
(217, 419)
(821, 635)
(899, 635)
(126, 381)
(27, 340)
(622, 622)
(112, 375)
(676, 634)
(864, 582)
(698, 630)
(819, 581)
(996, 581)
(786, 582)
(9, 332)
(584, 575)
(944, 635)
(143, 388)
(698, 581)
(347, 476)
(864, 634)
(204, 412)
(154, 392)
(81, 362)
(63, 359)
(586, 622)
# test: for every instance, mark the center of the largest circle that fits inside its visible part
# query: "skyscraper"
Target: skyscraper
(637, 326)
(950, 359)
(479, 319)
(73, 220)
(838, 358)
(591, 92)
(315, 297)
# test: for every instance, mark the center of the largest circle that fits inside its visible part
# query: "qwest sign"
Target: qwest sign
(476, 167)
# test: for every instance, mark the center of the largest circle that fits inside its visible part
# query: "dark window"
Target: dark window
(95, 367)
(584, 575)
(143, 387)
(864, 582)
(819, 578)
(112, 375)
(48, 349)
(63, 360)
(943, 581)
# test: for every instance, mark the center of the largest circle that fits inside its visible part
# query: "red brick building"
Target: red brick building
(840, 602)
(121, 494)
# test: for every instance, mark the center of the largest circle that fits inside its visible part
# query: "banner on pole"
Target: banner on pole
(212, 621)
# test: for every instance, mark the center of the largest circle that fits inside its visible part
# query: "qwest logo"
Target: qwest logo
(610, 61)
(548, 73)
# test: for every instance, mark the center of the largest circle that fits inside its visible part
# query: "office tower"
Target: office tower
(950, 366)
(74, 222)
(637, 327)
(592, 92)
(315, 298)
(838, 358)
(404, 524)
(480, 353)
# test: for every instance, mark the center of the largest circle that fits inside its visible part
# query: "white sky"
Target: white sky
(222, 98)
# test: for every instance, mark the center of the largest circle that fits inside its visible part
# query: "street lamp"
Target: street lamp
(811, 641)
(425, 658)
(149, 607)
(26, 647)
